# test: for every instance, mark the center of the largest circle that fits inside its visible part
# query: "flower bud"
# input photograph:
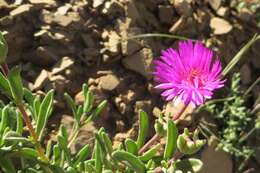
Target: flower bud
(188, 143)
(3, 48)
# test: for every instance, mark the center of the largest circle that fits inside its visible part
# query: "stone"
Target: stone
(48, 2)
(220, 26)
(156, 112)
(133, 13)
(165, 13)
(140, 62)
(245, 14)
(79, 98)
(3, 3)
(63, 9)
(63, 20)
(113, 8)
(62, 65)
(109, 82)
(67, 121)
(215, 4)
(145, 105)
(85, 135)
(215, 161)
(97, 3)
(245, 72)
(41, 80)
(255, 59)
(21, 9)
(177, 25)
(113, 42)
(223, 11)
(88, 40)
(44, 56)
(183, 7)
(172, 109)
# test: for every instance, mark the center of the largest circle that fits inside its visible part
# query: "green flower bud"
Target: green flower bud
(188, 143)
(159, 128)
(3, 48)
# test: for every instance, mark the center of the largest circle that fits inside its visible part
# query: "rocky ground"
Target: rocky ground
(63, 44)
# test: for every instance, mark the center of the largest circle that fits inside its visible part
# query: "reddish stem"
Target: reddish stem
(149, 143)
(26, 119)
(178, 115)
(4, 68)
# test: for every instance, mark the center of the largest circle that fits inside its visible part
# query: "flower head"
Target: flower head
(189, 74)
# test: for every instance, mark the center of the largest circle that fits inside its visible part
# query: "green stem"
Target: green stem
(158, 35)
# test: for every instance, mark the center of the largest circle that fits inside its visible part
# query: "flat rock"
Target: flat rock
(48, 2)
(113, 42)
(140, 62)
(97, 3)
(172, 109)
(63, 20)
(41, 80)
(44, 56)
(223, 11)
(183, 7)
(215, 4)
(20, 9)
(63, 9)
(220, 26)
(165, 13)
(215, 161)
(62, 65)
(109, 82)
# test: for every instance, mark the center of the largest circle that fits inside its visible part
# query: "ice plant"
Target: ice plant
(189, 74)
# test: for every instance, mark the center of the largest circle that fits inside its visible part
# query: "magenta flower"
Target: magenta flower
(188, 74)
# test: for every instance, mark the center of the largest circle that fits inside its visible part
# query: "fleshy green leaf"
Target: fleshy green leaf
(12, 136)
(171, 141)
(97, 111)
(98, 158)
(28, 152)
(63, 143)
(4, 118)
(131, 146)
(88, 99)
(82, 154)
(19, 123)
(45, 110)
(16, 84)
(5, 87)
(36, 108)
(3, 48)
(143, 129)
(7, 165)
(150, 153)
(71, 104)
(28, 96)
(130, 160)
(108, 142)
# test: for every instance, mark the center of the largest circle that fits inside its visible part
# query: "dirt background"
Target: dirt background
(63, 44)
